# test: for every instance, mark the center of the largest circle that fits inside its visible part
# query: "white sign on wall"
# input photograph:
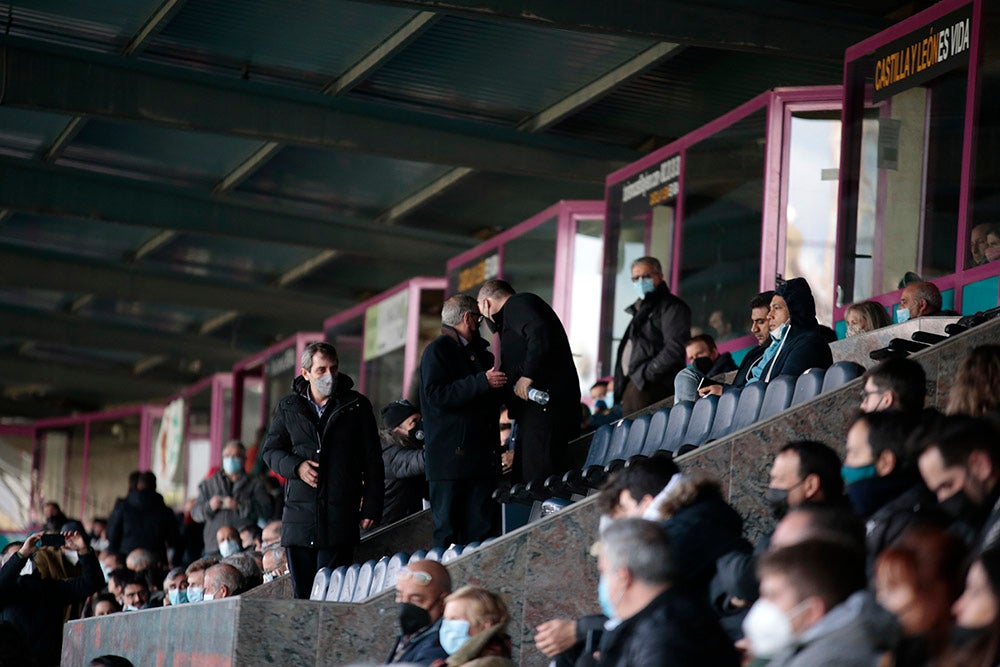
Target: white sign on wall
(167, 448)
(385, 325)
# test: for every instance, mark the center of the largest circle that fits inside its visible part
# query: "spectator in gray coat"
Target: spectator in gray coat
(230, 497)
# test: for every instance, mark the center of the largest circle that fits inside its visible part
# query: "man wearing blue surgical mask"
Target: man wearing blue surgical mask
(230, 497)
(652, 350)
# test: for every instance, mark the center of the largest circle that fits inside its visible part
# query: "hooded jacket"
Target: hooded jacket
(404, 477)
(142, 520)
(345, 444)
(802, 346)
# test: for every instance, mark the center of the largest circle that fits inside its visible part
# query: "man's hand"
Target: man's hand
(506, 461)
(215, 503)
(367, 524)
(307, 472)
(496, 378)
(75, 541)
(714, 389)
(29, 547)
(522, 387)
(555, 636)
(229, 503)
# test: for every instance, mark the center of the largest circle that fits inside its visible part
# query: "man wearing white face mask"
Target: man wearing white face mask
(230, 497)
(652, 350)
(34, 601)
(324, 441)
(814, 610)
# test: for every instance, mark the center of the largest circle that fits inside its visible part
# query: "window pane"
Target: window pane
(529, 260)
(985, 209)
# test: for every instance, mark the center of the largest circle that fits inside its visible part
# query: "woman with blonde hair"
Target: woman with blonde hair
(976, 391)
(865, 316)
(472, 630)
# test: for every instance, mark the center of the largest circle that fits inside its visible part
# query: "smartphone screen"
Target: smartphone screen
(52, 540)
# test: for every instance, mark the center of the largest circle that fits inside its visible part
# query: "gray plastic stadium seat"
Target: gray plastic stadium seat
(418, 555)
(618, 439)
(677, 425)
(841, 373)
(725, 410)
(435, 554)
(809, 385)
(777, 397)
(336, 584)
(598, 452)
(378, 575)
(472, 546)
(654, 434)
(321, 582)
(700, 424)
(350, 582)
(637, 435)
(363, 584)
(749, 406)
(396, 563)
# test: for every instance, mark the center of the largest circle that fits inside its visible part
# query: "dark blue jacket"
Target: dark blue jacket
(422, 649)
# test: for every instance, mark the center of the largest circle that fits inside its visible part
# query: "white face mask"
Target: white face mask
(28, 569)
(209, 597)
(129, 607)
(72, 556)
(323, 385)
(769, 629)
(779, 331)
(228, 547)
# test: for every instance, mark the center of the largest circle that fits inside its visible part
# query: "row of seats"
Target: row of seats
(357, 582)
(686, 423)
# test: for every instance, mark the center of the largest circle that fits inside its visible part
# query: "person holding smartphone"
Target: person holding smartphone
(34, 599)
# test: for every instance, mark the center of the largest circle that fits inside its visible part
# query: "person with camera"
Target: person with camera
(34, 589)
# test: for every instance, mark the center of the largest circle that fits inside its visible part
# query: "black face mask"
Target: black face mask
(490, 324)
(412, 618)
(777, 500)
(416, 434)
(964, 636)
(955, 505)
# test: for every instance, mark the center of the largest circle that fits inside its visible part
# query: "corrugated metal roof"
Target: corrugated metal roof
(231, 260)
(89, 238)
(281, 40)
(156, 153)
(355, 183)
(496, 71)
(28, 133)
(142, 314)
(106, 26)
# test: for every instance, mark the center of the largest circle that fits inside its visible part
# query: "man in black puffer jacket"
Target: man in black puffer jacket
(142, 520)
(323, 439)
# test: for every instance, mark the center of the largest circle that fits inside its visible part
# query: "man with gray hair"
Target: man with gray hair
(460, 402)
(230, 497)
(651, 351)
(324, 441)
(222, 581)
(652, 622)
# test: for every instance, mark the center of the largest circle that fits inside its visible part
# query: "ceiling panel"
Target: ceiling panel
(89, 238)
(162, 153)
(35, 298)
(149, 315)
(500, 71)
(228, 259)
(107, 25)
(355, 183)
(28, 133)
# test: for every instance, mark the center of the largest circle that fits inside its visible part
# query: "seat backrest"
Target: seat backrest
(451, 553)
(841, 373)
(350, 582)
(599, 444)
(419, 554)
(777, 396)
(396, 563)
(654, 434)
(725, 410)
(700, 423)
(378, 575)
(809, 385)
(336, 584)
(677, 424)
(749, 406)
(363, 584)
(618, 439)
(435, 554)
(321, 582)
(636, 436)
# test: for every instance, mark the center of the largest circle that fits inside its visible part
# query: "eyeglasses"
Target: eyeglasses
(419, 577)
(865, 393)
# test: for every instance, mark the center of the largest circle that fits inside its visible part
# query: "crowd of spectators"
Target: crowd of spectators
(889, 552)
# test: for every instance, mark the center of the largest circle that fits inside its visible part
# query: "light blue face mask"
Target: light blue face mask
(453, 633)
(643, 286)
(177, 596)
(604, 597)
(232, 464)
(195, 594)
(902, 314)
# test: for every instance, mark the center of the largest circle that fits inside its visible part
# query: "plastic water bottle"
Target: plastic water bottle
(538, 396)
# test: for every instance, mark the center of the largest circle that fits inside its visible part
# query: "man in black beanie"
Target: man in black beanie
(402, 439)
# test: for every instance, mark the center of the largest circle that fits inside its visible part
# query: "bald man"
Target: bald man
(222, 581)
(421, 588)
